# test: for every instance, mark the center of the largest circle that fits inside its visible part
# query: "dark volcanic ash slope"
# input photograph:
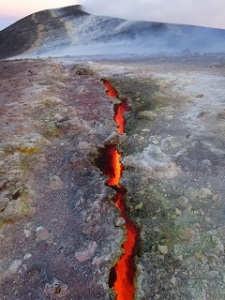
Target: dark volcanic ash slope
(71, 31)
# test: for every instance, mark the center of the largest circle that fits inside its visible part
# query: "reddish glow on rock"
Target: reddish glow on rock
(123, 273)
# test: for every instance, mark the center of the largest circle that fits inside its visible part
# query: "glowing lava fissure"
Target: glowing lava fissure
(122, 275)
(120, 108)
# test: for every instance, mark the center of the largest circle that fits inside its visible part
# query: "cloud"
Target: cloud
(202, 12)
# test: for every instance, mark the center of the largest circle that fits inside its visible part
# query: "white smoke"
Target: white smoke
(97, 37)
(202, 12)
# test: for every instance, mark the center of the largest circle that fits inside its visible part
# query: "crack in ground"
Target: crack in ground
(122, 275)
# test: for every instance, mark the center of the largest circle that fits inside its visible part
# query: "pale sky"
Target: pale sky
(13, 10)
(25, 7)
(197, 12)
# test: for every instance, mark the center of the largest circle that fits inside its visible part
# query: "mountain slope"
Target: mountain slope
(71, 31)
(32, 30)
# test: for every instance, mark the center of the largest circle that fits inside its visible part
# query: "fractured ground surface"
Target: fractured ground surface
(60, 233)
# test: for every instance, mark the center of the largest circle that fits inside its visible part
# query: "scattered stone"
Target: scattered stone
(163, 249)
(178, 212)
(51, 101)
(206, 163)
(175, 143)
(3, 203)
(169, 117)
(55, 183)
(14, 267)
(221, 115)
(42, 234)
(86, 254)
(81, 89)
(200, 96)
(139, 206)
(120, 222)
(204, 193)
(88, 218)
(56, 289)
(183, 201)
(16, 208)
(100, 260)
(215, 197)
(84, 146)
(16, 194)
(200, 256)
(154, 161)
(27, 256)
(201, 212)
(201, 114)
(113, 139)
(147, 114)
(224, 278)
(214, 273)
(173, 281)
(146, 130)
(27, 230)
(58, 117)
(191, 194)
(220, 246)
(189, 208)
(3, 183)
(154, 142)
(90, 230)
(180, 257)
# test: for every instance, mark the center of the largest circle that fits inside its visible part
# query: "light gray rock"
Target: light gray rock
(147, 114)
(42, 234)
(87, 253)
(154, 161)
(3, 203)
(56, 289)
(163, 249)
(14, 267)
(204, 193)
(55, 183)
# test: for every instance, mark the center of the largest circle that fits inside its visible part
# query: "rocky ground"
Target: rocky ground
(60, 233)
(174, 160)
(57, 232)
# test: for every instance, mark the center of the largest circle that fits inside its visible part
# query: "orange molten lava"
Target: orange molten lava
(111, 92)
(120, 108)
(123, 273)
